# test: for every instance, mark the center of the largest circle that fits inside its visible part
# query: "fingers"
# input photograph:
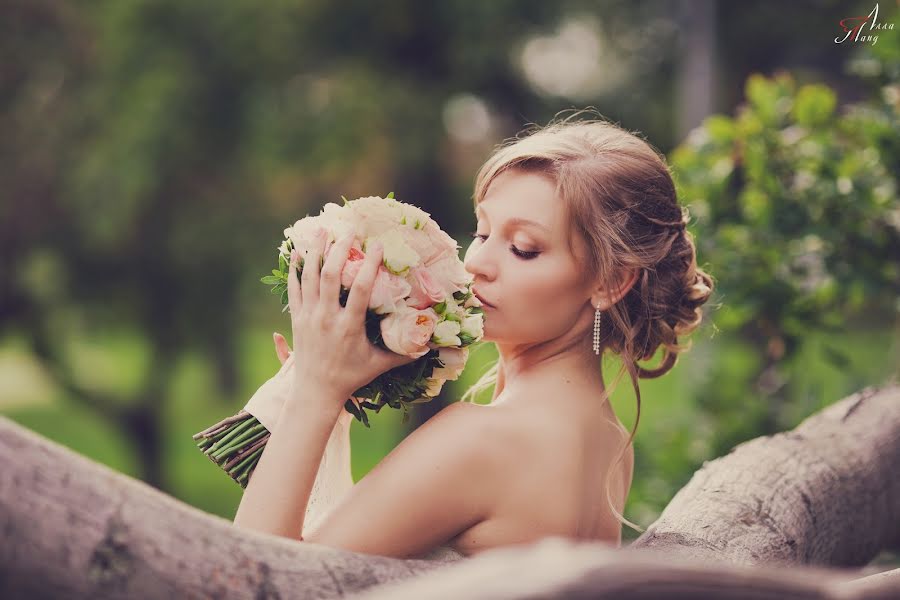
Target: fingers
(293, 286)
(361, 290)
(309, 278)
(330, 280)
(391, 360)
(281, 347)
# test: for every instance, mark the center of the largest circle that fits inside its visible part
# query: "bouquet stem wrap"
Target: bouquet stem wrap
(236, 443)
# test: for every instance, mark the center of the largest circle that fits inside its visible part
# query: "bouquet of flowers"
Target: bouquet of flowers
(421, 306)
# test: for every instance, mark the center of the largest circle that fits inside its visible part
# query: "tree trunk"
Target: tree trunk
(76, 529)
(825, 493)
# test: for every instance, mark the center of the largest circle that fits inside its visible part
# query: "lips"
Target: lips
(481, 298)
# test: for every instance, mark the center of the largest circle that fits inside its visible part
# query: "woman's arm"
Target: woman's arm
(278, 492)
(445, 477)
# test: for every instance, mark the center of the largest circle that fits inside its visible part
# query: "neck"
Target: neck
(568, 359)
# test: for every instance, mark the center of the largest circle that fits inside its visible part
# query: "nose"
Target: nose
(478, 262)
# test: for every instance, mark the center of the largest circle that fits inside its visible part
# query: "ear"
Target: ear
(603, 298)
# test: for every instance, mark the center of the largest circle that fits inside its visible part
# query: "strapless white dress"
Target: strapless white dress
(334, 479)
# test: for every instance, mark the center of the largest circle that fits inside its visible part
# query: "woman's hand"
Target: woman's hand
(284, 354)
(331, 349)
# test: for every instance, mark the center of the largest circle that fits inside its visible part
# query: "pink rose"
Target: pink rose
(454, 360)
(352, 266)
(426, 291)
(408, 330)
(439, 237)
(388, 292)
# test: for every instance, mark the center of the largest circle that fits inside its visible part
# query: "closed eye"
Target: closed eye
(520, 253)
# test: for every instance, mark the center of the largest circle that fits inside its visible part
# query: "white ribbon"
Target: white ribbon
(266, 402)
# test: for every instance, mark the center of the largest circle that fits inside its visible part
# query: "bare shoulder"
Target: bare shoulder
(443, 476)
(488, 435)
(467, 428)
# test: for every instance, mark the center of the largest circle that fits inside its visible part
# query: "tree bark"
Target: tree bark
(824, 493)
(74, 528)
(558, 568)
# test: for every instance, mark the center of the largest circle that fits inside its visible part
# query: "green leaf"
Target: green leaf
(390, 195)
(284, 296)
(270, 279)
(720, 128)
(814, 105)
(283, 263)
(465, 338)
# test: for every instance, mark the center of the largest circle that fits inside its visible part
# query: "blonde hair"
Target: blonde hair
(619, 198)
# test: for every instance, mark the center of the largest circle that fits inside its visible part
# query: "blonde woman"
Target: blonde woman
(580, 251)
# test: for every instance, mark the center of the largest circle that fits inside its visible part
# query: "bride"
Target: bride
(580, 249)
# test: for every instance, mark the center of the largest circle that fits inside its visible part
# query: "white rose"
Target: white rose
(424, 246)
(446, 333)
(451, 273)
(398, 256)
(375, 215)
(440, 237)
(302, 233)
(473, 325)
(434, 387)
(453, 308)
(414, 217)
(473, 302)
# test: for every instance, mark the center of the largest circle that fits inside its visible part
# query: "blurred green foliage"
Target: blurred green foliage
(155, 150)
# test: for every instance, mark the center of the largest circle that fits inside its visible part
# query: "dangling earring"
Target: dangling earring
(597, 331)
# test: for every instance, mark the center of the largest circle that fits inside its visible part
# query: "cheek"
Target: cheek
(545, 289)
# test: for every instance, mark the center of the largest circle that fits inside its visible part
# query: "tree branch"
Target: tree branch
(77, 529)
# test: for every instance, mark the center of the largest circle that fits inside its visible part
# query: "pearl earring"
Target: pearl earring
(597, 331)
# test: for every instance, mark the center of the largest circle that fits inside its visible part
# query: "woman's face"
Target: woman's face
(521, 263)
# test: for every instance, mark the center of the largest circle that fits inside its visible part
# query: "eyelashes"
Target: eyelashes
(520, 253)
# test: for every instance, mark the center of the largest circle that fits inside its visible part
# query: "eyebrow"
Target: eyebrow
(518, 221)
